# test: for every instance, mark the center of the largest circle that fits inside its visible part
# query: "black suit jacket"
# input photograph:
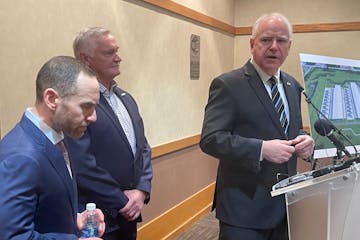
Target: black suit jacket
(105, 164)
(238, 117)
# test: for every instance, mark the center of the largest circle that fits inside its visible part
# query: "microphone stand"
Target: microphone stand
(313, 164)
(338, 160)
(339, 156)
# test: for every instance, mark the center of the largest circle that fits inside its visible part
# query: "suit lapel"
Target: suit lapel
(57, 161)
(124, 97)
(106, 108)
(104, 105)
(131, 110)
(55, 157)
(290, 96)
(259, 90)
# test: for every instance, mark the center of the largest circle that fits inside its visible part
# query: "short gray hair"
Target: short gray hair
(85, 40)
(267, 16)
(60, 73)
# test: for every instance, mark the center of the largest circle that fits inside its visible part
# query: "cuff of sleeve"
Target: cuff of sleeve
(261, 150)
(147, 198)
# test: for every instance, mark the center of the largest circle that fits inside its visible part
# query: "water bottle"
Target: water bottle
(91, 223)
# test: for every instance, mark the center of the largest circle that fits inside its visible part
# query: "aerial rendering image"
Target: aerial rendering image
(333, 88)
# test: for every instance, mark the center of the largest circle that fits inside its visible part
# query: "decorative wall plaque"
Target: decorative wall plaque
(194, 57)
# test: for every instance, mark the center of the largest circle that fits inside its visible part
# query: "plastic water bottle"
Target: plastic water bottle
(91, 223)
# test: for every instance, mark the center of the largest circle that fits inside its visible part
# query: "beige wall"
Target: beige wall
(154, 47)
(298, 12)
(222, 10)
(176, 177)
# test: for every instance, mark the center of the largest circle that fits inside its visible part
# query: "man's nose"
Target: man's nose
(117, 58)
(274, 43)
(92, 117)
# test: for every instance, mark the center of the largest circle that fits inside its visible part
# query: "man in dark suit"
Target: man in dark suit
(113, 158)
(253, 137)
(38, 192)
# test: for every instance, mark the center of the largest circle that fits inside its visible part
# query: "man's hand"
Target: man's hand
(277, 151)
(81, 220)
(132, 209)
(304, 146)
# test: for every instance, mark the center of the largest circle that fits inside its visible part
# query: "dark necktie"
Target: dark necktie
(65, 153)
(278, 103)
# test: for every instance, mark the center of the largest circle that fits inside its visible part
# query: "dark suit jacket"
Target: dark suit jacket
(105, 164)
(238, 116)
(38, 198)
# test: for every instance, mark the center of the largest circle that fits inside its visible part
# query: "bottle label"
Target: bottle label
(89, 231)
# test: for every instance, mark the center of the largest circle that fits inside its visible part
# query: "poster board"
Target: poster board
(333, 86)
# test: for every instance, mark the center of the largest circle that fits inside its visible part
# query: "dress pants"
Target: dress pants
(125, 232)
(229, 232)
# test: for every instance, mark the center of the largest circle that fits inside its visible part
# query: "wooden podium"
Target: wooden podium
(323, 204)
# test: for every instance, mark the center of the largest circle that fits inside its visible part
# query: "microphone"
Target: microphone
(308, 100)
(327, 129)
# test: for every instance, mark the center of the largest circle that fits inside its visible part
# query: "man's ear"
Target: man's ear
(51, 98)
(251, 43)
(290, 41)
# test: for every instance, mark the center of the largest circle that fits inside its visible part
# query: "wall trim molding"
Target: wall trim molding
(180, 144)
(326, 27)
(311, 28)
(192, 14)
(177, 219)
(246, 30)
(174, 146)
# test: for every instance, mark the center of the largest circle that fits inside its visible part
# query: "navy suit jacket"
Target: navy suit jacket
(238, 116)
(38, 198)
(105, 164)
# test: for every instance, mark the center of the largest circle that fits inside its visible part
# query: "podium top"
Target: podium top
(306, 179)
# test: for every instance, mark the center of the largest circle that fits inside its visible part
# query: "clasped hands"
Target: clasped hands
(132, 209)
(280, 151)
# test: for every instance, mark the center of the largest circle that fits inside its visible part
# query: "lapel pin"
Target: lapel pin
(288, 83)
(123, 94)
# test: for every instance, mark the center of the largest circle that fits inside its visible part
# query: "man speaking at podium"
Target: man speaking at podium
(253, 125)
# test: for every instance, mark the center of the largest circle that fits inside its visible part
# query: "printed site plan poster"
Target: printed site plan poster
(333, 86)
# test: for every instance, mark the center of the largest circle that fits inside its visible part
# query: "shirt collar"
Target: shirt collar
(50, 133)
(264, 76)
(105, 91)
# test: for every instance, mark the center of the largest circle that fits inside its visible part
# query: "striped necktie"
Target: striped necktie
(278, 103)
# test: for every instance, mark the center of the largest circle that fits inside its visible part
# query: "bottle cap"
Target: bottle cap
(90, 206)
